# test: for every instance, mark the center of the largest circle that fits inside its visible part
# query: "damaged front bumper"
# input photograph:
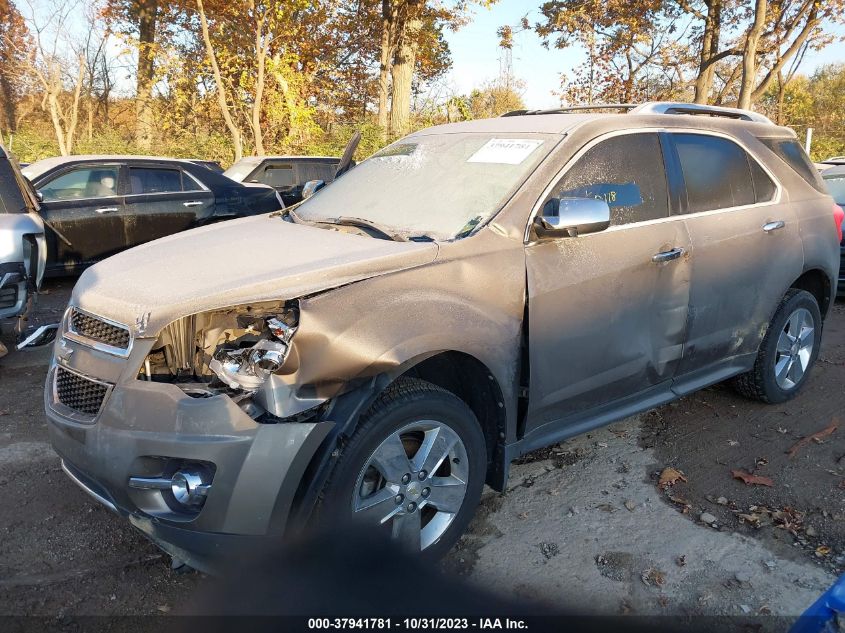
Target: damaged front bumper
(151, 430)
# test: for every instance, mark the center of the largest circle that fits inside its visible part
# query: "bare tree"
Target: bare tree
(57, 67)
(222, 99)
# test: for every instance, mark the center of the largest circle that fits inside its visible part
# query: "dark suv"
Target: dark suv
(468, 294)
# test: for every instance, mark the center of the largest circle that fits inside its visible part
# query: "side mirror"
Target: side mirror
(311, 187)
(571, 217)
(40, 196)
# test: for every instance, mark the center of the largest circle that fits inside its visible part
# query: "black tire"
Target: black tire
(760, 383)
(403, 402)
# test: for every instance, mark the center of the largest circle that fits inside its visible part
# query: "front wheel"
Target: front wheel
(788, 350)
(413, 470)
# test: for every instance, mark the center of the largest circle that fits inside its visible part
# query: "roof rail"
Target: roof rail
(834, 158)
(671, 107)
(656, 107)
(575, 108)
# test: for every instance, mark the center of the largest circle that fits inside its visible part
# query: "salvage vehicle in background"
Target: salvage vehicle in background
(834, 179)
(468, 294)
(22, 245)
(286, 174)
(106, 204)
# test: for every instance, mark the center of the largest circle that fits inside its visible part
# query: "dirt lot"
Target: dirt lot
(583, 523)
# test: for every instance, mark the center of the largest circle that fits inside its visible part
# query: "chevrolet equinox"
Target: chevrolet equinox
(471, 292)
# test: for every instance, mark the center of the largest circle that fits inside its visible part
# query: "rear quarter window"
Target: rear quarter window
(790, 151)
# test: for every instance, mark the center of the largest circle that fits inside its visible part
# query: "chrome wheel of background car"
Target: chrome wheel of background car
(414, 483)
(795, 349)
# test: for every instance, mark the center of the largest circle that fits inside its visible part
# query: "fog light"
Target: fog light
(189, 488)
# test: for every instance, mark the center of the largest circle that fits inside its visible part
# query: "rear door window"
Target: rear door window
(790, 151)
(82, 183)
(627, 172)
(155, 180)
(278, 176)
(716, 172)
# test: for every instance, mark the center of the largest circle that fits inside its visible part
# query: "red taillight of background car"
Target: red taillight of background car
(838, 216)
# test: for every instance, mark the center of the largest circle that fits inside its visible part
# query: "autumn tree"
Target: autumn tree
(141, 21)
(15, 49)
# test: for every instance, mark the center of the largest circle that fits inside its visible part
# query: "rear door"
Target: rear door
(607, 311)
(162, 200)
(746, 250)
(84, 204)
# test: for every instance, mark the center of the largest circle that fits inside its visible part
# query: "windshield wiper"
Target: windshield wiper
(343, 220)
(346, 220)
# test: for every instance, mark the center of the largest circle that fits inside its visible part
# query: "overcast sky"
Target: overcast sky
(475, 53)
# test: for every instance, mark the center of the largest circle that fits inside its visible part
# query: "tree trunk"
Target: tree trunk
(222, 101)
(709, 48)
(145, 123)
(749, 55)
(403, 77)
(388, 48)
(261, 53)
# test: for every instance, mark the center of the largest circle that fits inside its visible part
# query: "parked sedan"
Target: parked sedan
(286, 174)
(834, 178)
(105, 204)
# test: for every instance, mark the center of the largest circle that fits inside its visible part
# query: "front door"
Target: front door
(607, 311)
(83, 204)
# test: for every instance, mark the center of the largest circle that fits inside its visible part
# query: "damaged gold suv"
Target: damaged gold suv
(470, 293)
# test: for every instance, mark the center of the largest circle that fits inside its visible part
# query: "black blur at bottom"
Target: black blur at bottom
(349, 579)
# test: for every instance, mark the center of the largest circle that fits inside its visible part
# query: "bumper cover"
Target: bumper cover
(257, 467)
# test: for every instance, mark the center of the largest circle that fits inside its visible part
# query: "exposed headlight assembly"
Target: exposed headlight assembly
(248, 368)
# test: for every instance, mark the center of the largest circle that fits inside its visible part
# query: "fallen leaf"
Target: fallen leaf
(751, 519)
(523, 515)
(653, 577)
(752, 480)
(681, 561)
(670, 476)
(606, 507)
(815, 437)
(822, 550)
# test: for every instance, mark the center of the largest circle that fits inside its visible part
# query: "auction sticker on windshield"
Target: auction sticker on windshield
(505, 151)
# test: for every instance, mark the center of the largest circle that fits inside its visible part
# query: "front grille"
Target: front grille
(9, 297)
(78, 392)
(98, 330)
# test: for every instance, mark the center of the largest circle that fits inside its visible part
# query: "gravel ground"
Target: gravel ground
(586, 523)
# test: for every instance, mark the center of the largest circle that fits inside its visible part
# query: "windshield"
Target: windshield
(836, 186)
(440, 185)
(240, 170)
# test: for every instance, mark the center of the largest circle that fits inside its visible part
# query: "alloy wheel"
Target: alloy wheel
(414, 483)
(794, 349)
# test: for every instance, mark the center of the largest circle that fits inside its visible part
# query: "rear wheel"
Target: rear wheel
(413, 470)
(788, 351)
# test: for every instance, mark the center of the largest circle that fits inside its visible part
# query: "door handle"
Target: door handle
(770, 227)
(103, 210)
(192, 203)
(667, 256)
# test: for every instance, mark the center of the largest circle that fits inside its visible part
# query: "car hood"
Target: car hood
(252, 259)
